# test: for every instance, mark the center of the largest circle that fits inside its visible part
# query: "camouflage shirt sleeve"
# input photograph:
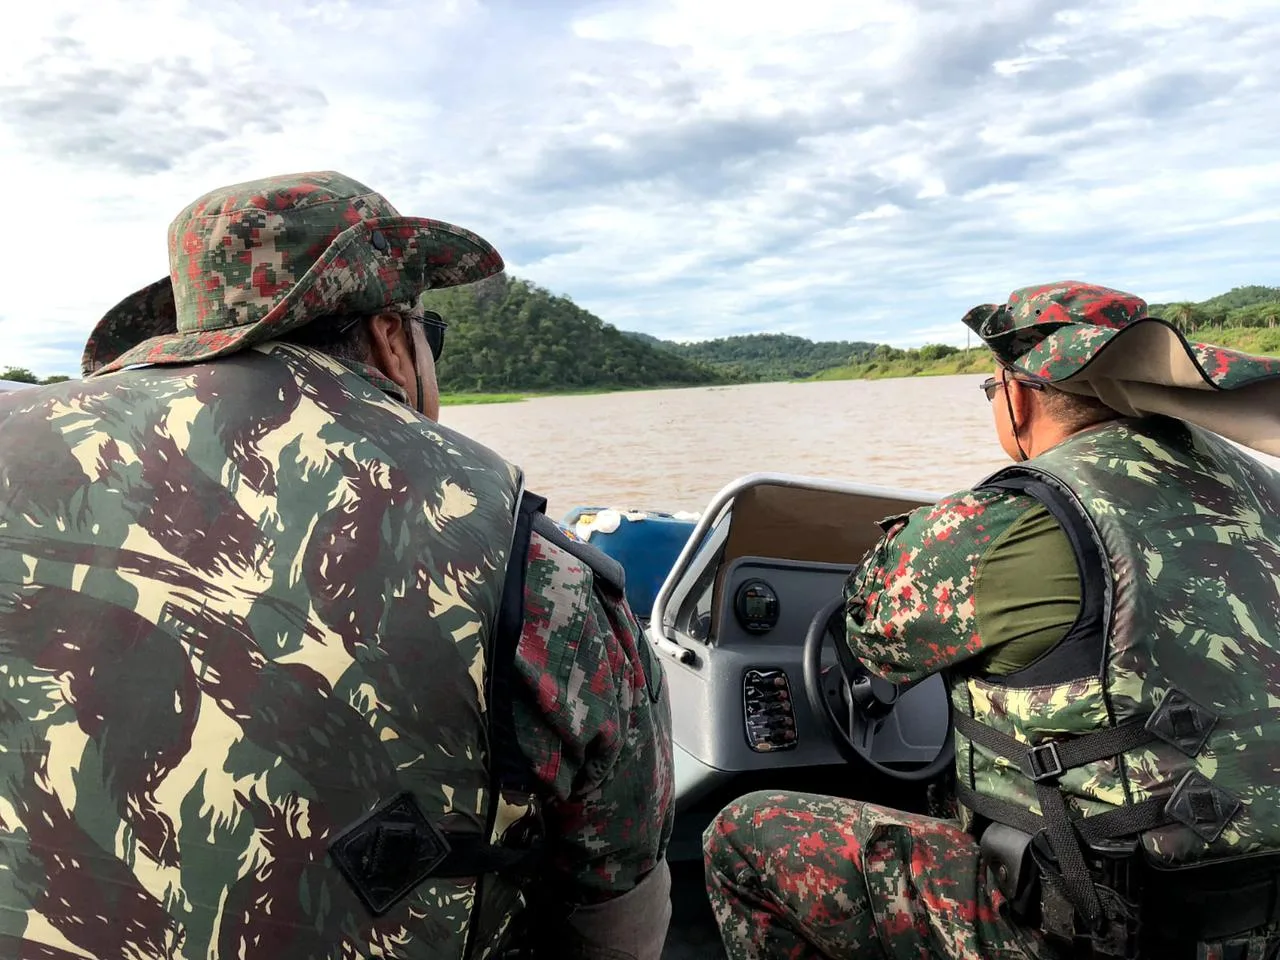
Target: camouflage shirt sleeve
(597, 739)
(910, 607)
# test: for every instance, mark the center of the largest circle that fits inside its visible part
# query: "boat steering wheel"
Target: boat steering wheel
(864, 700)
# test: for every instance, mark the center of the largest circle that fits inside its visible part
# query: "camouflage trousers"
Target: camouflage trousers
(801, 876)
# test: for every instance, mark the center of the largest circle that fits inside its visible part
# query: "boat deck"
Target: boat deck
(693, 934)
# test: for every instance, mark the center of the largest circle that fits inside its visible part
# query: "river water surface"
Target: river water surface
(673, 449)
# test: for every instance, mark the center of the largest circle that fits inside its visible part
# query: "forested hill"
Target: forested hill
(767, 356)
(511, 335)
(508, 335)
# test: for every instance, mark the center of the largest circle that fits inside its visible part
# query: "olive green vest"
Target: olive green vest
(249, 632)
(1156, 716)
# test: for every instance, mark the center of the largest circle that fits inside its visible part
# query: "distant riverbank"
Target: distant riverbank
(974, 360)
(1257, 340)
(468, 399)
(471, 399)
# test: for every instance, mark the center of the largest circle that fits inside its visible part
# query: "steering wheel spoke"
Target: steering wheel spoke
(863, 733)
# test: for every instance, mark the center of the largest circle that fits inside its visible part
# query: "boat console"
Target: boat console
(731, 620)
(746, 625)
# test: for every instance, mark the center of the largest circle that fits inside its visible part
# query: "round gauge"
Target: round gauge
(756, 607)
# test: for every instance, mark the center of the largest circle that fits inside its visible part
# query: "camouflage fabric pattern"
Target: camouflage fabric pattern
(596, 727)
(910, 605)
(251, 261)
(802, 876)
(1191, 531)
(1191, 528)
(243, 604)
(1053, 331)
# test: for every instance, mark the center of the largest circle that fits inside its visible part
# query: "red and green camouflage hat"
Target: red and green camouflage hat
(252, 261)
(1058, 331)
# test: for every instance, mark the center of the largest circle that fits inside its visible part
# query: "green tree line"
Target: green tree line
(508, 335)
(767, 356)
(23, 375)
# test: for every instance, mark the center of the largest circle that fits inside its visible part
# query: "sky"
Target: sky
(836, 169)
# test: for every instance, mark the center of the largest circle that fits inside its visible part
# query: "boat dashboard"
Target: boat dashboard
(731, 618)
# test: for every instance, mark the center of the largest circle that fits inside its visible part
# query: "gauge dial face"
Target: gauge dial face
(756, 606)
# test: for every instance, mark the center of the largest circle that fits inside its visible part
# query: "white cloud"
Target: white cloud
(689, 168)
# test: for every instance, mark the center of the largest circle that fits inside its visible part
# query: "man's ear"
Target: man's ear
(1023, 399)
(391, 352)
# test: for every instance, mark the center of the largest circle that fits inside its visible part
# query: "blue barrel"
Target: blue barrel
(645, 542)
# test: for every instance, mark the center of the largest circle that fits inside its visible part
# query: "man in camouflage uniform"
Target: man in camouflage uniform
(1107, 615)
(289, 670)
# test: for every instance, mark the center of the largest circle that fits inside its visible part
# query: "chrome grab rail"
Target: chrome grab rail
(723, 499)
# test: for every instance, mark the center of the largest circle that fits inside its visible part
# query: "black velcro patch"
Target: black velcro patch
(1181, 722)
(389, 853)
(1202, 805)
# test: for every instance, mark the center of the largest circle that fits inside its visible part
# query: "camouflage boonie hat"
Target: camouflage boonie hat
(1056, 332)
(252, 261)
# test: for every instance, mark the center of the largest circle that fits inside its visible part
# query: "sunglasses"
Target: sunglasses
(990, 385)
(433, 328)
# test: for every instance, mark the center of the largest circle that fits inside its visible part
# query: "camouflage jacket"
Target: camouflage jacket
(1177, 646)
(247, 602)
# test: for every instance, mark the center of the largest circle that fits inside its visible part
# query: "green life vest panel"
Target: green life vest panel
(1155, 720)
(252, 666)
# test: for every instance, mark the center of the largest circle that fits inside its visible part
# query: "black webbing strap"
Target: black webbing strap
(511, 767)
(472, 855)
(1048, 760)
(1123, 821)
(1043, 764)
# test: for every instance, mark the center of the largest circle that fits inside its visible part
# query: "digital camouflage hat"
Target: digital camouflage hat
(252, 261)
(1070, 331)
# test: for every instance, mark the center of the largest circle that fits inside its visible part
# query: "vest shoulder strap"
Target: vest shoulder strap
(511, 768)
(1082, 651)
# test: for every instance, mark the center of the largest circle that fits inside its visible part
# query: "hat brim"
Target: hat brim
(1151, 351)
(142, 315)
(421, 255)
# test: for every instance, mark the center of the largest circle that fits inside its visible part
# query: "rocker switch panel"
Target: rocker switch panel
(770, 716)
